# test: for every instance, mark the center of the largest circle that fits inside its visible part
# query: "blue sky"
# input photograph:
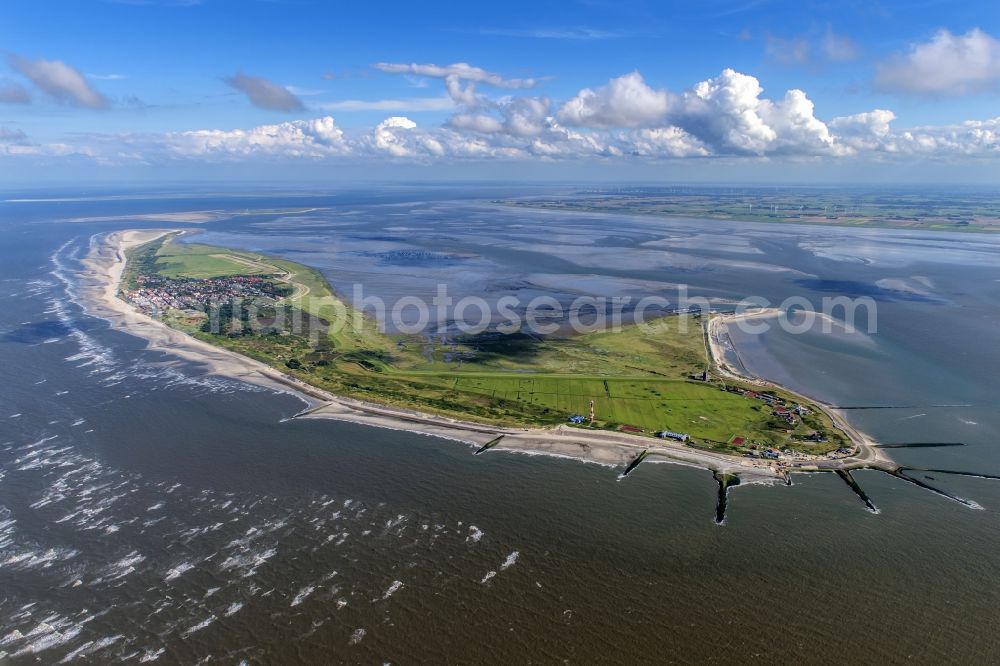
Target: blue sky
(123, 84)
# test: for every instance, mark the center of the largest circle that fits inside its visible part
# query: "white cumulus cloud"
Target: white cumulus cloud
(948, 64)
(796, 127)
(517, 117)
(399, 137)
(871, 134)
(866, 131)
(726, 116)
(722, 115)
(625, 101)
(315, 138)
(666, 142)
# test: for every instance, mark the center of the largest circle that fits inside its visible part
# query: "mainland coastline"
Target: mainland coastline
(100, 283)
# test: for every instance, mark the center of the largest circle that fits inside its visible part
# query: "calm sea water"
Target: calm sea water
(150, 512)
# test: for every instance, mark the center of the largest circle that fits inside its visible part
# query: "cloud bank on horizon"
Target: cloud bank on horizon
(495, 117)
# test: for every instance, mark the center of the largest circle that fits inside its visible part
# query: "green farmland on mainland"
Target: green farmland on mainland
(644, 378)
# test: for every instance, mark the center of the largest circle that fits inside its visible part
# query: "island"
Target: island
(611, 397)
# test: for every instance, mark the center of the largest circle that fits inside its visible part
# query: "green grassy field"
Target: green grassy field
(198, 261)
(648, 403)
(635, 376)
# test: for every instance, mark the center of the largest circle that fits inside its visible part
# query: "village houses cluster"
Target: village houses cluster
(157, 294)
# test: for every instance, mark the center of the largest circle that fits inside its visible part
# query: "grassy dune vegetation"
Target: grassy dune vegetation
(635, 377)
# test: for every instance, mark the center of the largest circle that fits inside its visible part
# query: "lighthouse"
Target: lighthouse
(591, 412)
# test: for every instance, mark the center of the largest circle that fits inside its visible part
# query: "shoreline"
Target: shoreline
(99, 286)
(867, 451)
